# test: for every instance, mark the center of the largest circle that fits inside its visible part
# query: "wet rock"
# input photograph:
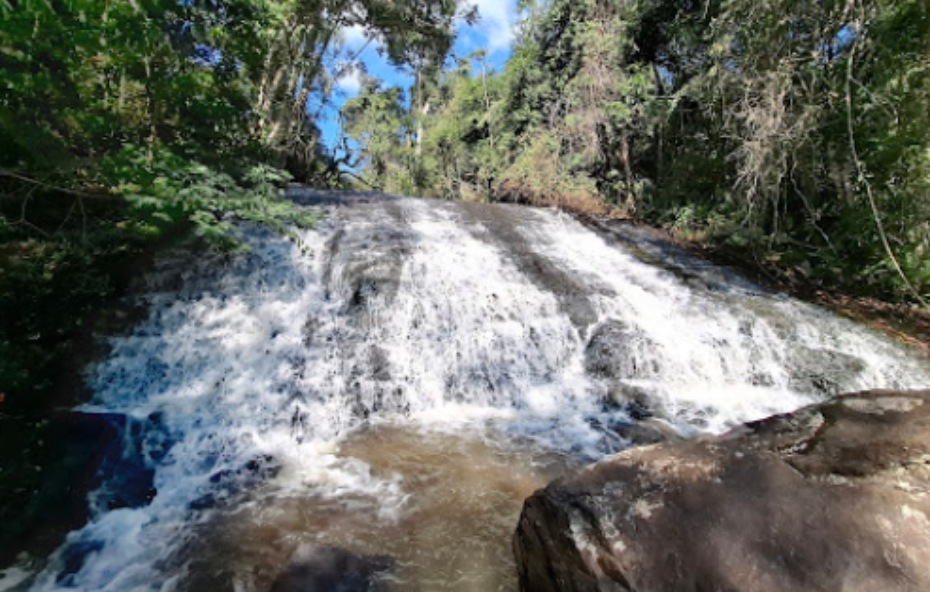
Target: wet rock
(821, 370)
(380, 364)
(125, 479)
(73, 556)
(500, 225)
(371, 266)
(311, 328)
(831, 497)
(43, 493)
(630, 399)
(315, 568)
(647, 432)
(257, 470)
(616, 350)
(230, 483)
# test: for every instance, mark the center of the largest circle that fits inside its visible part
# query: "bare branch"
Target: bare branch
(14, 175)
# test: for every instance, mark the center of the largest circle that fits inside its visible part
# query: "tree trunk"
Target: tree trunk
(424, 111)
(630, 203)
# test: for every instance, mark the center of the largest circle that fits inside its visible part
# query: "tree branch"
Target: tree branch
(14, 175)
(361, 180)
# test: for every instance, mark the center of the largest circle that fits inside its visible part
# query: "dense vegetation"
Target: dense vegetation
(795, 131)
(122, 120)
(125, 124)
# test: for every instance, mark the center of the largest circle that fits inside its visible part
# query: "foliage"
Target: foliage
(798, 131)
(376, 122)
(123, 123)
(167, 190)
(227, 84)
(51, 283)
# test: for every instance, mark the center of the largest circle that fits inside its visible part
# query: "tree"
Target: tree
(378, 122)
(798, 130)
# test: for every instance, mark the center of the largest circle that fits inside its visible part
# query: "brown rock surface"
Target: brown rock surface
(834, 497)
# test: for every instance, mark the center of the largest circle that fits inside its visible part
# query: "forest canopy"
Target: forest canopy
(172, 104)
(796, 130)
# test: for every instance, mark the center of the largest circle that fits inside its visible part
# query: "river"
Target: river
(396, 382)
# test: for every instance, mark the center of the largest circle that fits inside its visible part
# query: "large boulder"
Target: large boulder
(834, 497)
(619, 351)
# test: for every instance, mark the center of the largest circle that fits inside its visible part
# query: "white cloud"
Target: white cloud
(497, 22)
(350, 82)
(354, 36)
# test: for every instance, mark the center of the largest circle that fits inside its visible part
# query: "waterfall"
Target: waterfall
(518, 325)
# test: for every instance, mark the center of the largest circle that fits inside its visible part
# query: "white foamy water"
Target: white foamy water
(244, 382)
(716, 358)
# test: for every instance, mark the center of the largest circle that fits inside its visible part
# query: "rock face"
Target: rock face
(834, 497)
(618, 351)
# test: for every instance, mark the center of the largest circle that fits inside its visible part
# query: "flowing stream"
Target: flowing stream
(395, 383)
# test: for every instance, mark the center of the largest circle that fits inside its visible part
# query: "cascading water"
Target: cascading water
(395, 383)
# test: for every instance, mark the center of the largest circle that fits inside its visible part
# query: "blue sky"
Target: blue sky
(494, 32)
